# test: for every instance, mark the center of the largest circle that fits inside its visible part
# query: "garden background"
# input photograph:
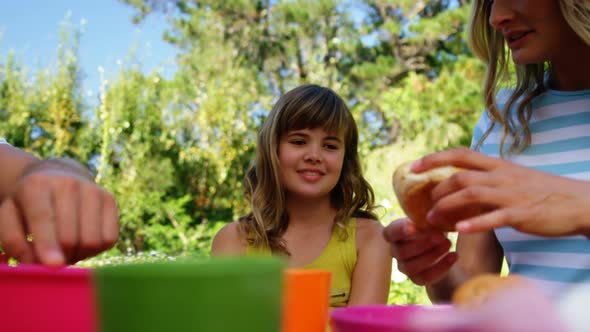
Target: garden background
(173, 148)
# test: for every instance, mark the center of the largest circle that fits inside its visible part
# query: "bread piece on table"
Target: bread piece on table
(478, 290)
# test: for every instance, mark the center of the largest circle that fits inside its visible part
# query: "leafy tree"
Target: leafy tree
(174, 151)
(15, 105)
(410, 41)
(43, 112)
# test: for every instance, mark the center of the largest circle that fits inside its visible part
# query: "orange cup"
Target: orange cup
(306, 300)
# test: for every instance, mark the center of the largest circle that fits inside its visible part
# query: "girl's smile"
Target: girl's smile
(311, 174)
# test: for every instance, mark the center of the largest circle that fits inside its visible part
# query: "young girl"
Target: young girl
(533, 187)
(309, 200)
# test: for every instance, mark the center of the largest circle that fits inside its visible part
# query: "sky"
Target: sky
(31, 29)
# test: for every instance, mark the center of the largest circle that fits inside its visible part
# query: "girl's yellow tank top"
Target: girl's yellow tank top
(339, 257)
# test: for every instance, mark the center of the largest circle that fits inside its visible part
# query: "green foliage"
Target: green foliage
(444, 109)
(43, 112)
(15, 105)
(406, 292)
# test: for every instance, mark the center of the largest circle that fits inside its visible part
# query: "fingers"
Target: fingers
(422, 256)
(460, 157)
(110, 222)
(398, 230)
(67, 203)
(98, 220)
(468, 203)
(90, 219)
(495, 219)
(486, 222)
(461, 180)
(408, 243)
(437, 271)
(13, 234)
(69, 219)
(421, 243)
(35, 204)
(425, 260)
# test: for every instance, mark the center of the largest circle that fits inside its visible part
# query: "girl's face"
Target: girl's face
(535, 30)
(310, 162)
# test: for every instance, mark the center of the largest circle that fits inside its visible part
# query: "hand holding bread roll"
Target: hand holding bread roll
(413, 192)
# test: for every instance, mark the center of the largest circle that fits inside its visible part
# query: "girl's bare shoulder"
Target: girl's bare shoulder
(229, 240)
(368, 229)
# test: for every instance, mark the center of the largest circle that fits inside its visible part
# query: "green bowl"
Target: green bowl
(213, 295)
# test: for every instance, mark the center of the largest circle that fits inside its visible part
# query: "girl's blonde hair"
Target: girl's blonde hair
(307, 106)
(488, 44)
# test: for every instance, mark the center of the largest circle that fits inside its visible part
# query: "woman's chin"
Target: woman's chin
(522, 57)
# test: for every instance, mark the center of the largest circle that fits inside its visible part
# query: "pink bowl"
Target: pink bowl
(381, 318)
(38, 298)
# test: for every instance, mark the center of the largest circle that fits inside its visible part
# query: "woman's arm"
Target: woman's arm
(229, 241)
(476, 254)
(372, 274)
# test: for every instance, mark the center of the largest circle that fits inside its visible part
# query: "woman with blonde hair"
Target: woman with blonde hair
(309, 200)
(529, 166)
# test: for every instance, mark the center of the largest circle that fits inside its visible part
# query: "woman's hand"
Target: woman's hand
(423, 256)
(509, 195)
(56, 215)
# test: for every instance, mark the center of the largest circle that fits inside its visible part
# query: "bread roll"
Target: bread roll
(478, 290)
(413, 192)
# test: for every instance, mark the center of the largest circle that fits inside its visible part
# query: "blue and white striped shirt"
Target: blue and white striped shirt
(560, 127)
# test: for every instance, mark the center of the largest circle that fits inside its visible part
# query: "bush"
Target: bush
(406, 292)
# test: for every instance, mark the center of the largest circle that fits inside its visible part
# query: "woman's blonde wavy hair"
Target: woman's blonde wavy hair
(307, 106)
(488, 44)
